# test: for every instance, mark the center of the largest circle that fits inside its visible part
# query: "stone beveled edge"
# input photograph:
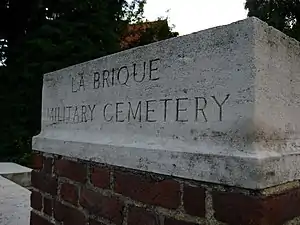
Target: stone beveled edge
(250, 170)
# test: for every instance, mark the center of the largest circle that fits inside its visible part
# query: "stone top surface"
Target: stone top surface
(14, 203)
(16, 173)
(230, 91)
(8, 168)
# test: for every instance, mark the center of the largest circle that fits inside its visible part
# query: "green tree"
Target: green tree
(281, 14)
(41, 36)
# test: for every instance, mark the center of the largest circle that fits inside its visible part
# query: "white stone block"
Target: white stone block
(219, 105)
(19, 174)
(14, 203)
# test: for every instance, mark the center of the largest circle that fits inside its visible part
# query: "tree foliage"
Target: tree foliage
(40, 36)
(281, 14)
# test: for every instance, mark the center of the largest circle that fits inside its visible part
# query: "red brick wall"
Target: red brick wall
(71, 192)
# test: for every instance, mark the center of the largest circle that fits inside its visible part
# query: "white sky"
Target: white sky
(194, 15)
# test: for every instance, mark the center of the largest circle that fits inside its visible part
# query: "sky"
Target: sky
(194, 15)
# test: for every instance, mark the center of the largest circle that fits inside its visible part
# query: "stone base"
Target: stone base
(16, 173)
(14, 203)
(84, 192)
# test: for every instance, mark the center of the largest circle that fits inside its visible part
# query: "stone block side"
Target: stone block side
(69, 191)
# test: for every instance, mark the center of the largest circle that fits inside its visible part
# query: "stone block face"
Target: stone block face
(17, 173)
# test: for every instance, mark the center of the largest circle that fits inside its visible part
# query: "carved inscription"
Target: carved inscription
(137, 72)
(185, 109)
(152, 111)
(71, 114)
(149, 111)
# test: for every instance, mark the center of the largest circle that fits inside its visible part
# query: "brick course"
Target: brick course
(37, 161)
(69, 193)
(165, 193)
(171, 221)
(68, 215)
(100, 177)
(72, 170)
(36, 200)
(138, 216)
(103, 206)
(48, 165)
(194, 200)
(252, 210)
(38, 220)
(44, 182)
(48, 206)
(82, 193)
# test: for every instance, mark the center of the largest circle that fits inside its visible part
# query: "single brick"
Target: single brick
(72, 170)
(99, 205)
(138, 216)
(36, 200)
(68, 215)
(165, 193)
(237, 208)
(69, 193)
(194, 200)
(44, 182)
(100, 177)
(38, 220)
(48, 206)
(36, 161)
(48, 165)
(171, 221)
(93, 222)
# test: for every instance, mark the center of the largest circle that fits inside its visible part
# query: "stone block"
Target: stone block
(219, 105)
(19, 174)
(14, 203)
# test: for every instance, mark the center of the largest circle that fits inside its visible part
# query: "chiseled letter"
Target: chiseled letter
(220, 105)
(178, 109)
(104, 113)
(200, 109)
(134, 114)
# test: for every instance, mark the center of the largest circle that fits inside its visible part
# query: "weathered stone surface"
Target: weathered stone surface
(220, 105)
(14, 203)
(19, 174)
